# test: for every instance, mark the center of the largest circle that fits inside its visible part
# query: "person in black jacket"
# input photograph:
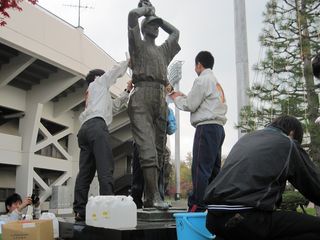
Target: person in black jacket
(243, 198)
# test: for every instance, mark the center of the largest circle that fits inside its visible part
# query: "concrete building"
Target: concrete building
(43, 61)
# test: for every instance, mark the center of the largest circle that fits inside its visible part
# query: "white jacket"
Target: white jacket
(98, 98)
(206, 101)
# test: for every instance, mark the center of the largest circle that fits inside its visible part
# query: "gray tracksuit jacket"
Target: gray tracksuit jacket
(205, 101)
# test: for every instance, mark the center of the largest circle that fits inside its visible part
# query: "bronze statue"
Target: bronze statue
(147, 106)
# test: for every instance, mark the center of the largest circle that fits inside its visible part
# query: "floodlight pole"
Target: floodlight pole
(241, 47)
(174, 76)
(79, 6)
(177, 150)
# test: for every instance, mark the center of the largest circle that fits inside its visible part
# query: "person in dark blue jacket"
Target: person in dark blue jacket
(243, 198)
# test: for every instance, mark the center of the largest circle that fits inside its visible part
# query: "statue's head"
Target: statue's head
(150, 26)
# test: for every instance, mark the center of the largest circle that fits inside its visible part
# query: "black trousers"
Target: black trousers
(95, 155)
(262, 225)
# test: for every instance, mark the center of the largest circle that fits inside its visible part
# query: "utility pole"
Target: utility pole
(242, 64)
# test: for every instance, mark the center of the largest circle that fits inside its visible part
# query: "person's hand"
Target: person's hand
(129, 86)
(169, 89)
(25, 202)
(173, 95)
(317, 121)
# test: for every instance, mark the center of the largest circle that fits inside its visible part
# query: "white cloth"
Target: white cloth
(98, 98)
(205, 101)
(317, 121)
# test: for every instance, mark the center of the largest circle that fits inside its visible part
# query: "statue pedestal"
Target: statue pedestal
(154, 215)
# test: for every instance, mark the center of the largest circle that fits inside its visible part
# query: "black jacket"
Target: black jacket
(257, 168)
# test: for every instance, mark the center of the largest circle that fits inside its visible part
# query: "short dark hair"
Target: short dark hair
(15, 197)
(287, 124)
(205, 58)
(316, 66)
(93, 74)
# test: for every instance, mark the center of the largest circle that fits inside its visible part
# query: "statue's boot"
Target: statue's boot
(151, 190)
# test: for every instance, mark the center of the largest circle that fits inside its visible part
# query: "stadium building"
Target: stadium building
(43, 62)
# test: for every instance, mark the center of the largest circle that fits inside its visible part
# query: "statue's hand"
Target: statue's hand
(150, 10)
(144, 3)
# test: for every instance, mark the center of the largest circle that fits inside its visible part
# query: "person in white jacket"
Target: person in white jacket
(207, 106)
(93, 136)
(15, 205)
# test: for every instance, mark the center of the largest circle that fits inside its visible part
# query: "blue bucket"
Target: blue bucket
(192, 226)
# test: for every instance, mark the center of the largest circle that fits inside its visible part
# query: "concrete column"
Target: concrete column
(74, 152)
(28, 129)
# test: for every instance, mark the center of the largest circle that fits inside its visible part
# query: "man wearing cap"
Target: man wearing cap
(147, 105)
(93, 136)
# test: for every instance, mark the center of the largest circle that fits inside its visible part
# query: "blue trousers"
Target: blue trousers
(206, 162)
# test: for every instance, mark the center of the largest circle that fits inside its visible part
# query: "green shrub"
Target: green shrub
(292, 199)
(309, 211)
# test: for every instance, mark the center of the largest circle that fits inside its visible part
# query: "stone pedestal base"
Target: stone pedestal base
(154, 215)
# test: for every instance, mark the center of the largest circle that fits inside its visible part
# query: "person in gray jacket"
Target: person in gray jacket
(244, 197)
(93, 136)
(207, 105)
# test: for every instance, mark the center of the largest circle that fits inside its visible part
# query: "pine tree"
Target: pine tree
(290, 38)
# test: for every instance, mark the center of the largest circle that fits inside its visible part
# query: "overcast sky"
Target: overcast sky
(203, 24)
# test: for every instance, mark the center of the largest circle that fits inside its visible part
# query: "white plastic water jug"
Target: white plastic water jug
(111, 212)
(55, 222)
